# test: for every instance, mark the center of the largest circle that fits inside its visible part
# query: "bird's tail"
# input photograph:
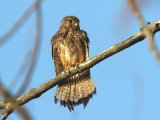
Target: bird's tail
(76, 90)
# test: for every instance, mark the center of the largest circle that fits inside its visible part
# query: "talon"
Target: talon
(68, 71)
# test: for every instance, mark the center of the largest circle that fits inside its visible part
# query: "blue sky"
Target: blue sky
(127, 83)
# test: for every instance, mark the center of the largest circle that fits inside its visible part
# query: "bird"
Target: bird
(70, 47)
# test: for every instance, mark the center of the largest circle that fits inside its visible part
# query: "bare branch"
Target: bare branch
(21, 71)
(38, 91)
(11, 104)
(147, 32)
(30, 60)
(18, 23)
(35, 51)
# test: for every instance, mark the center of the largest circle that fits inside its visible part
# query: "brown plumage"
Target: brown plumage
(70, 47)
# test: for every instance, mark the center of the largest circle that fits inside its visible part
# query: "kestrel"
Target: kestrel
(70, 47)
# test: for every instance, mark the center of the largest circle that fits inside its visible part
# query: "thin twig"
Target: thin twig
(21, 72)
(13, 104)
(18, 24)
(38, 91)
(147, 32)
(29, 63)
(36, 49)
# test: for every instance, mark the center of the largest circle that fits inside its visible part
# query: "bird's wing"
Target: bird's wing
(86, 42)
(56, 55)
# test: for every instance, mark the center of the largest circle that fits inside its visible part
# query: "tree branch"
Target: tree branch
(11, 103)
(4, 38)
(148, 33)
(35, 50)
(38, 91)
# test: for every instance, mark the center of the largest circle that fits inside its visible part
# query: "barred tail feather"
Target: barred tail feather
(76, 90)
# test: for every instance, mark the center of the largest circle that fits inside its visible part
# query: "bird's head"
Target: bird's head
(70, 22)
